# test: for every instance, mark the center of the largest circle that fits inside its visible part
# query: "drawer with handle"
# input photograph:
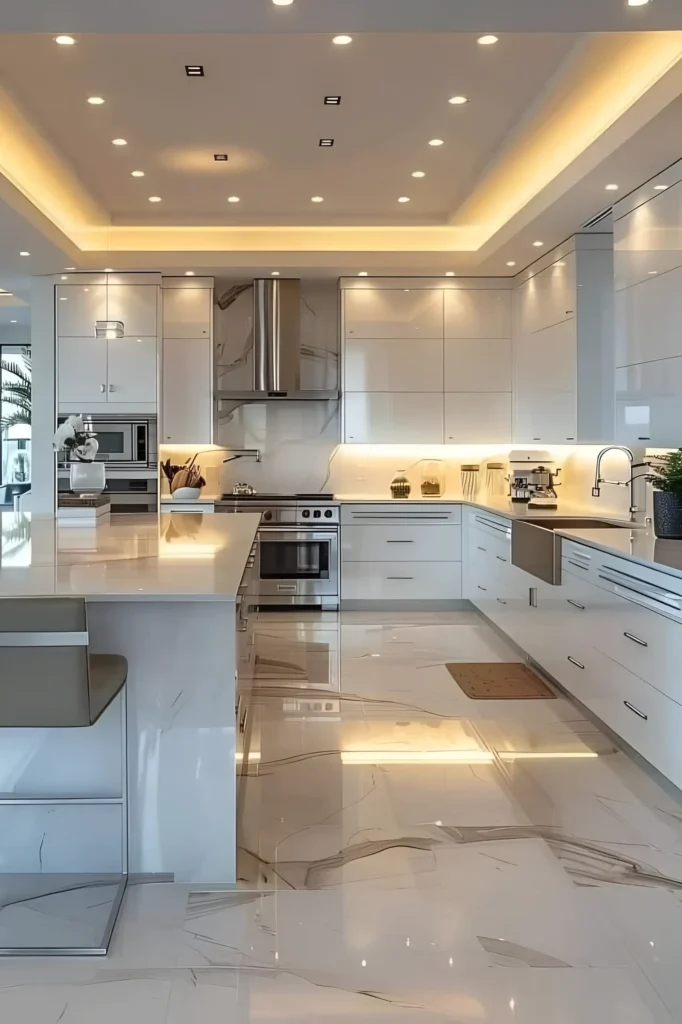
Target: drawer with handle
(401, 581)
(394, 513)
(405, 543)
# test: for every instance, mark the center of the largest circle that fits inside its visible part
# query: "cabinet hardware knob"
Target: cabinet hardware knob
(636, 711)
(103, 388)
(111, 387)
(574, 662)
(635, 639)
(576, 604)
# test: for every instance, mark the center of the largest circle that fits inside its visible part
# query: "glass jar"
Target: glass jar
(400, 485)
(433, 479)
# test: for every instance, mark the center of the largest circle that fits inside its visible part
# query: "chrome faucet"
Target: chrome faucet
(240, 453)
(599, 479)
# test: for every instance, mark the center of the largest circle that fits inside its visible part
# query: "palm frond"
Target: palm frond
(17, 370)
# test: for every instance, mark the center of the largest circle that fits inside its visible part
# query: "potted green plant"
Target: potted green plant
(666, 476)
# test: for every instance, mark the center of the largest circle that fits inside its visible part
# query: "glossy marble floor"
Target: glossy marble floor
(406, 855)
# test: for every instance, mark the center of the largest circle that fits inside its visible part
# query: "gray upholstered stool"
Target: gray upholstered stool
(49, 680)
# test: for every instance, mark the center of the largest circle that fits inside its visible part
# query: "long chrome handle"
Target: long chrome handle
(636, 711)
(585, 568)
(650, 592)
(400, 577)
(500, 558)
(481, 588)
(576, 604)
(400, 542)
(481, 549)
(574, 662)
(635, 639)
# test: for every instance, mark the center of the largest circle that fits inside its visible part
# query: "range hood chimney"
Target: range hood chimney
(276, 343)
(276, 335)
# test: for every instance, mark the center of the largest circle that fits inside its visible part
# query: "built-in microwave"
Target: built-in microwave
(123, 443)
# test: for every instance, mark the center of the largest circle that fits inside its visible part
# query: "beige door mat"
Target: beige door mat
(499, 680)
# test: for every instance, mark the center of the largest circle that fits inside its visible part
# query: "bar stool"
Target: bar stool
(50, 680)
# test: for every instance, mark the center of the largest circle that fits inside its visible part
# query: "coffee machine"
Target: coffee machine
(532, 479)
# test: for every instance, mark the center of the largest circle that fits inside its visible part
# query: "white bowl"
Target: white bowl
(186, 494)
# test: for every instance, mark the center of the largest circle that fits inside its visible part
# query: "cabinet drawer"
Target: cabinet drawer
(401, 513)
(490, 525)
(401, 543)
(647, 644)
(401, 581)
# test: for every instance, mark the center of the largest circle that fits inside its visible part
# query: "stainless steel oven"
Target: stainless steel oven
(297, 557)
(123, 442)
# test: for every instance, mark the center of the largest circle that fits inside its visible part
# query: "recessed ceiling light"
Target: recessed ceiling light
(119, 142)
(96, 101)
(282, 3)
(332, 101)
(13, 321)
(638, 3)
(404, 199)
(108, 270)
(486, 40)
(362, 273)
(326, 142)
(65, 277)
(24, 253)
(449, 273)
(660, 188)
(221, 158)
(65, 40)
(653, 271)
(62, 298)
(436, 142)
(155, 199)
(511, 263)
(457, 101)
(137, 174)
(69, 268)
(538, 244)
(233, 199)
(274, 273)
(418, 174)
(611, 188)
(342, 40)
(317, 199)
(194, 70)
(189, 273)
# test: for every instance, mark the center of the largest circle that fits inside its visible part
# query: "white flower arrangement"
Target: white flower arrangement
(72, 436)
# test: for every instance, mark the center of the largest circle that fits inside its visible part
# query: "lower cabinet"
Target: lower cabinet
(401, 581)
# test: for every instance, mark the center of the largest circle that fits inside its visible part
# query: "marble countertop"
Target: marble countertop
(132, 557)
(639, 545)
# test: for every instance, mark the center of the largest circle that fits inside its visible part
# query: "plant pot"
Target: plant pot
(667, 515)
(186, 494)
(87, 478)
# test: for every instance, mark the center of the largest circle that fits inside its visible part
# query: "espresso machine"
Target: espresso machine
(532, 479)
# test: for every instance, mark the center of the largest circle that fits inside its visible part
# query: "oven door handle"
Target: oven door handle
(311, 532)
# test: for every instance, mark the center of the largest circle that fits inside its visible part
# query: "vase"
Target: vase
(87, 478)
(186, 494)
(667, 515)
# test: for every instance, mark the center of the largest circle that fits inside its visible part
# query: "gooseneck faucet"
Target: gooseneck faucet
(599, 479)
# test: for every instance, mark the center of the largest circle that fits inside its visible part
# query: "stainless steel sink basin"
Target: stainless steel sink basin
(536, 549)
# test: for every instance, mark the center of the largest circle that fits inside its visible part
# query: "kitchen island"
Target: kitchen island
(164, 591)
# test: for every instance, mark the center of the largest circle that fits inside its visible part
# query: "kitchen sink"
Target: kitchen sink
(536, 549)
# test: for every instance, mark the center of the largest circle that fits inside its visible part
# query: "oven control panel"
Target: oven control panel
(318, 515)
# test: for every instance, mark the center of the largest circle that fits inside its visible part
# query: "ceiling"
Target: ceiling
(241, 16)
(552, 118)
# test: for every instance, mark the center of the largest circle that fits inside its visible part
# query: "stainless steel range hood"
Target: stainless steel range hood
(277, 345)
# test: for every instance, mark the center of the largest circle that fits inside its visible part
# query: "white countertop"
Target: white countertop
(131, 557)
(502, 506)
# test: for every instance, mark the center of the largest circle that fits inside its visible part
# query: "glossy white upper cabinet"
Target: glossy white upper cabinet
(78, 309)
(563, 346)
(135, 305)
(187, 400)
(393, 313)
(648, 319)
(132, 370)
(477, 313)
(477, 418)
(390, 418)
(187, 312)
(478, 364)
(550, 295)
(396, 364)
(649, 403)
(81, 373)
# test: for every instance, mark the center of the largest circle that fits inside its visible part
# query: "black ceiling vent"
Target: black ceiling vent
(332, 101)
(598, 218)
(194, 70)
(326, 142)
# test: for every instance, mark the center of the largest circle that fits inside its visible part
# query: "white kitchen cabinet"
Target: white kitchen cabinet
(477, 313)
(393, 364)
(471, 418)
(81, 373)
(393, 313)
(186, 391)
(132, 370)
(401, 581)
(649, 403)
(478, 364)
(406, 542)
(187, 312)
(78, 307)
(393, 418)
(136, 306)
(563, 346)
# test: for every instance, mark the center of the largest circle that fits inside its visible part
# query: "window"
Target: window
(15, 421)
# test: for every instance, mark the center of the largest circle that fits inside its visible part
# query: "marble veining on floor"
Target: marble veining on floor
(405, 854)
